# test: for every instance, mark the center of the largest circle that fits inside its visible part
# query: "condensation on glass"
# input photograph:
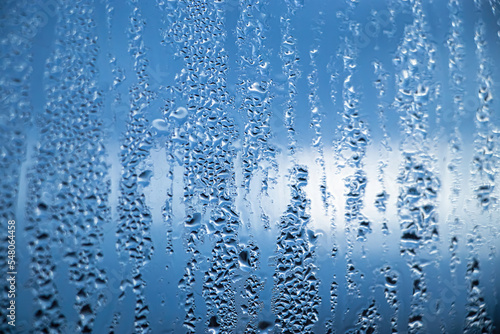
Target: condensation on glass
(251, 166)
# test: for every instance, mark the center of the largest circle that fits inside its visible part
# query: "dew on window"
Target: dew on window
(250, 166)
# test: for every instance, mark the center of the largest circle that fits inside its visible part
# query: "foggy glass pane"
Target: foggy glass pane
(250, 166)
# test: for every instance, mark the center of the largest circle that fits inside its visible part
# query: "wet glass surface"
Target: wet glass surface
(225, 166)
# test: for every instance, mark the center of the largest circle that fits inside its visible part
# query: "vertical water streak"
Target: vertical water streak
(114, 103)
(419, 185)
(485, 143)
(317, 118)
(333, 80)
(382, 196)
(295, 298)
(254, 88)
(181, 106)
(207, 138)
(290, 58)
(390, 276)
(134, 243)
(484, 174)
(353, 141)
(219, 287)
(167, 209)
(165, 129)
(317, 115)
(258, 154)
(456, 49)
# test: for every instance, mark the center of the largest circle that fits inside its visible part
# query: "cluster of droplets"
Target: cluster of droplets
(391, 278)
(194, 236)
(354, 131)
(477, 319)
(252, 305)
(218, 288)
(295, 297)
(417, 204)
(368, 320)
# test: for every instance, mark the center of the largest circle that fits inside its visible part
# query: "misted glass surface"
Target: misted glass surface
(251, 166)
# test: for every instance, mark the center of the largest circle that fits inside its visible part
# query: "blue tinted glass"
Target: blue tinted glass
(249, 166)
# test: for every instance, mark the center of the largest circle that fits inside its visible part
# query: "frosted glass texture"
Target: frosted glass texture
(251, 166)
